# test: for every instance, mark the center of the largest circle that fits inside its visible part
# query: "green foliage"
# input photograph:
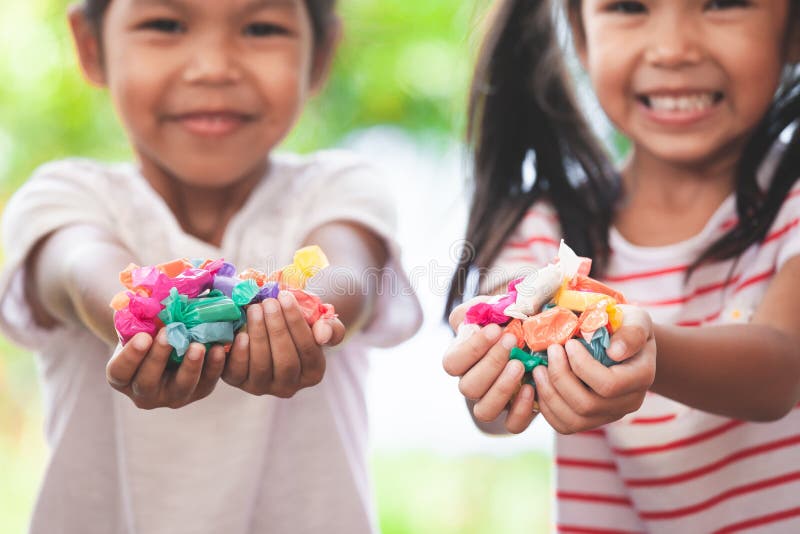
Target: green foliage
(423, 493)
(402, 62)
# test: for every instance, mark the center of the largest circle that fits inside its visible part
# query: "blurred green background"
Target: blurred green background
(403, 62)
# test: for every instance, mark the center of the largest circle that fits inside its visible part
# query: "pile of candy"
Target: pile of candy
(551, 306)
(204, 300)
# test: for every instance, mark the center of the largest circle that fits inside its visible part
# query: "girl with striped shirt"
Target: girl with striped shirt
(700, 228)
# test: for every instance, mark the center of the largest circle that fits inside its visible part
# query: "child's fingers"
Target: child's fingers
(521, 412)
(477, 381)
(312, 360)
(470, 346)
(500, 394)
(260, 373)
(564, 381)
(581, 400)
(212, 371)
(286, 361)
(635, 331)
(148, 380)
(585, 367)
(323, 332)
(183, 383)
(545, 409)
(459, 312)
(122, 367)
(634, 375)
(339, 331)
(550, 404)
(559, 413)
(594, 374)
(329, 332)
(235, 372)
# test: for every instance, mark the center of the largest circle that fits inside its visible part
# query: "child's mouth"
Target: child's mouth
(680, 109)
(685, 103)
(212, 124)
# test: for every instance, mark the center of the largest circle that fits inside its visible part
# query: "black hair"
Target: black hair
(321, 13)
(522, 104)
(521, 101)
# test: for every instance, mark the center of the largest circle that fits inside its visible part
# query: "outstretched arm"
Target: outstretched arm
(72, 275)
(749, 371)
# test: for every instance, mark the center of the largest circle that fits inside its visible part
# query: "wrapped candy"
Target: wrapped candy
(203, 301)
(534, 291)
(528, 359)
(308, 261)
(515, 328)
(553, 305)
(551, 327)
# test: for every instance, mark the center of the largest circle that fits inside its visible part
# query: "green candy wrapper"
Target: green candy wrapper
(244, 292)
(597, 348)
(530, 361)
(211, 319)
(213, 308)
(209, 334)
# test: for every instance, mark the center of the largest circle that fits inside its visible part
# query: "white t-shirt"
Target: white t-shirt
(232, 462)
(668, 467)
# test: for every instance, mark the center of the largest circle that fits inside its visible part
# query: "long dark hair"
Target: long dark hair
(321, 13)
(521, 104)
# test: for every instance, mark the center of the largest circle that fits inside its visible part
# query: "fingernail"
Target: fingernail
(162, 338)
(271, 305)
(465, 331)
(512, 368)
(327, 333)
(194, 355)
(491, 332)
(540, 375)
(616, 349)
(140, 343)
(509, 341)
(285, 298)
(526, 393)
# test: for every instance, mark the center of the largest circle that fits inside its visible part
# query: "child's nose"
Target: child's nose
(674, 42)
(213, 62)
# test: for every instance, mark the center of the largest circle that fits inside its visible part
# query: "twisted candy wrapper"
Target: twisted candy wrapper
(493, 311)
(308, 261)
(203, 300)
(552, 305)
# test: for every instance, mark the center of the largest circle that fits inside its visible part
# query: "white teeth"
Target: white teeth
(695, 102)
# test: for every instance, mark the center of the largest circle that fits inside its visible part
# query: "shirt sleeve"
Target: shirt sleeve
(347, 189)
(58, 194)
(533, 244)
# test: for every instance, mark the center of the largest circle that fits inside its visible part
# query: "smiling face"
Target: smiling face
(685, 80)
(205, 89)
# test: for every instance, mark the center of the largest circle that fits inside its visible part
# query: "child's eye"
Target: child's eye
(726, 4)
(163, 25)
(627, 7)
(263, 29)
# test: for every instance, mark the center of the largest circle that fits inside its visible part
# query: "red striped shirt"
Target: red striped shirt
(670, 468)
